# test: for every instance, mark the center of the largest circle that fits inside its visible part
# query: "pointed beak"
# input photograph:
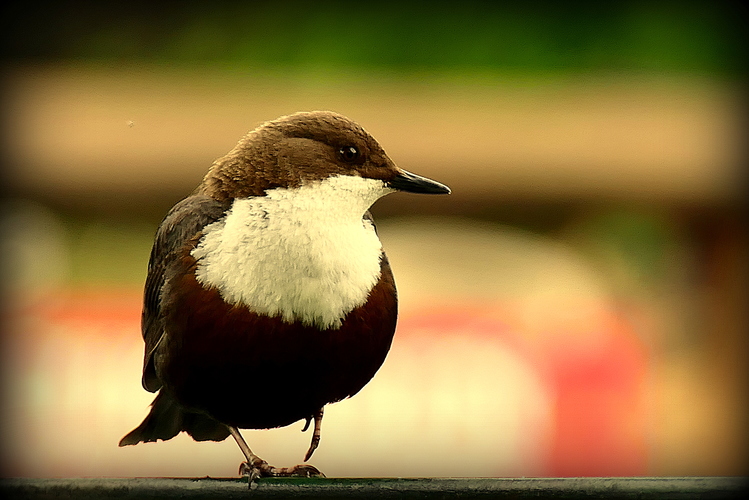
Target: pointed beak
(412, 183)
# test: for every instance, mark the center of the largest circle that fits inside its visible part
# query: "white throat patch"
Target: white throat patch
(303, 254)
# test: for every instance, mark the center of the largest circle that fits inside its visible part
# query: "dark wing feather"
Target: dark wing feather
(183, 222)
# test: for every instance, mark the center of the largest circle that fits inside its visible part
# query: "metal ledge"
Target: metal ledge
(464, 488)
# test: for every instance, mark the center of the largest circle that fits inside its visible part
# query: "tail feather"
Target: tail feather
(167, 419)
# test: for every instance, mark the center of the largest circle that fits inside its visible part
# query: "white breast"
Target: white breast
(303, 254)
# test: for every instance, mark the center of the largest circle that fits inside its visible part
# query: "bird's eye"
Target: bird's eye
(349, 154)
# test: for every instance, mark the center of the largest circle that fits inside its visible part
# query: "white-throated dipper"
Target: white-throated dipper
(268, 293)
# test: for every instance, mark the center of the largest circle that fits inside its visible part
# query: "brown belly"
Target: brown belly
(253, 371)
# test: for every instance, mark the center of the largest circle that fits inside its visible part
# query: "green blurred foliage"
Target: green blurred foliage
(109, 252)
(637, 249)
(687, 36)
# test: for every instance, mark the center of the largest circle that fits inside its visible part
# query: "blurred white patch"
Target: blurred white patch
(546, 289)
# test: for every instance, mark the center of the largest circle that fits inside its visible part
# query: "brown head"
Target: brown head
(305, 147)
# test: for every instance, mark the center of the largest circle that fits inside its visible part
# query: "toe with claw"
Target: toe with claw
(255, 467)
(261, 468)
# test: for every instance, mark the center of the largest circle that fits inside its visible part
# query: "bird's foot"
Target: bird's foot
(261, 468)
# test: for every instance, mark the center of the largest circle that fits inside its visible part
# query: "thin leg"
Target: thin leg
(256, 467)
(246, 451)
(315, 433)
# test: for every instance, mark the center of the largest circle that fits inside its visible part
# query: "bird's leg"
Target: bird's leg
(255, 467)
(315, 433)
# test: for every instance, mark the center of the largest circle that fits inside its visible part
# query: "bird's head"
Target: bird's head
(305, 148)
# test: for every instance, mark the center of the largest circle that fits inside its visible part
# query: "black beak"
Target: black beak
(412, 183)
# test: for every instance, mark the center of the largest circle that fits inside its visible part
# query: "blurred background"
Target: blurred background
(577, 306)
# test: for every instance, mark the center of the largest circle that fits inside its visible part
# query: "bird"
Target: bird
(268, 294)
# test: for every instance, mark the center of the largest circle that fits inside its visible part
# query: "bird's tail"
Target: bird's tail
(167, 419)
